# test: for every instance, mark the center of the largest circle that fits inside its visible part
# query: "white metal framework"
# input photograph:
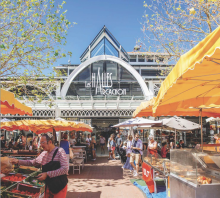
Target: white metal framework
(124, 64)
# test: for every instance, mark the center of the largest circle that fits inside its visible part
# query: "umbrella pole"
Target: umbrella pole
(201, 129)
(175, 138)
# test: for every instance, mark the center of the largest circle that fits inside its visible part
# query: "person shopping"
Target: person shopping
(102, 144)
(66, 146)
(113, 145)
(164, 150)
(93, 144)
(109, 147)
(127, 164)
(54, 167)
(152, 146)
(136, 154)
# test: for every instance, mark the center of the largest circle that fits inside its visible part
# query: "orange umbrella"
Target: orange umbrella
(43, 126)
(10, 105)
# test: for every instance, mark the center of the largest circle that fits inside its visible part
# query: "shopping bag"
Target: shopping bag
(71, 153)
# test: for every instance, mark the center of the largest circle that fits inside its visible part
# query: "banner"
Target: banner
(147, 176)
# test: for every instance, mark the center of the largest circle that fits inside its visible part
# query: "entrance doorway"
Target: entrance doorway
(103, 126)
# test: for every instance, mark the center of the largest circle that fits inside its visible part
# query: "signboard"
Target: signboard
(102, 82)
(147, 176)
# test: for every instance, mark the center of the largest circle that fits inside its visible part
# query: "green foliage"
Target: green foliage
(175, 26)
(32, 33)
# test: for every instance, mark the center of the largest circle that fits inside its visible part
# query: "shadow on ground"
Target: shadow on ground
(83, 194)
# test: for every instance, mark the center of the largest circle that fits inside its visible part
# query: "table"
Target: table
(78, 146)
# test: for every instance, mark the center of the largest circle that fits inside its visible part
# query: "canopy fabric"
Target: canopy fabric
(125, 123)
(7, 98)
(143, 122)
(179, 124)
(145, 109)
(207, 111)
(137, 122)
(10, 105)
(212, 119)
(195, 80)
(43, 126)
(5, 120)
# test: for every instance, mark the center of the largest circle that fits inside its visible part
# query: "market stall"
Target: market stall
(194, 174)
(22, 182)
(155, 168)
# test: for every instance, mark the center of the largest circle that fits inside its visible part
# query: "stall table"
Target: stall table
(152, 166)
(194, 174)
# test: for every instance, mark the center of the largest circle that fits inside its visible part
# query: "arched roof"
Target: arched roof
(85, 64)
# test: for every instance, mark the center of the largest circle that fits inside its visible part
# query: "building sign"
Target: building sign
(102, 82)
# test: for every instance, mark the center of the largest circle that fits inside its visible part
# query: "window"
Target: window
(147, 72)
(150, 60)
(112, 67)
(70, 71)
(104, 47)
(141, 60)
(133, 60)
(83, 86)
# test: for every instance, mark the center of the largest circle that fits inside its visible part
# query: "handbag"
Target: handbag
(55, 184)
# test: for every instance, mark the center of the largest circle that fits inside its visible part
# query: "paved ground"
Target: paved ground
(102, 179)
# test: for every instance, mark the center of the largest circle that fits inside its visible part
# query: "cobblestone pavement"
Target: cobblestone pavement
(102, 179)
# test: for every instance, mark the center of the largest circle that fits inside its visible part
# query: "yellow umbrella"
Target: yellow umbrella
(195, 80)
(43, 126)
(193, 86)
(145, 109)
(10, 105)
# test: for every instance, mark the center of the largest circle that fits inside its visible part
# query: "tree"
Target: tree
(32, 33)
(175, 26)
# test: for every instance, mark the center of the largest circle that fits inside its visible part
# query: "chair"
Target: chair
(77, 163)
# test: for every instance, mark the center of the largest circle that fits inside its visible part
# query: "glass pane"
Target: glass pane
(125, 75)
(97, 65)
(85, 74)
(99, 49)
(112, 67)
(110, 49)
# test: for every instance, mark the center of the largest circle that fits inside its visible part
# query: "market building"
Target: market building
(106, 87)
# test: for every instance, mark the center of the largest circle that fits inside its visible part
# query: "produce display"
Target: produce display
(35, 182)
(21, 182)
(14, 178)
(28, 167)
(204, 180)
(34, 195)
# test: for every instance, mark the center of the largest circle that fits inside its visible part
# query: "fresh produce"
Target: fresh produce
(204, 180)
(34, 195)
(14, 178)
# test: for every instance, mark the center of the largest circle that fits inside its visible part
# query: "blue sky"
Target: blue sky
(121, 17)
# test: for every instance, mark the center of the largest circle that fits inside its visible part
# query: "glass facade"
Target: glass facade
(104, 47)
(105, 79)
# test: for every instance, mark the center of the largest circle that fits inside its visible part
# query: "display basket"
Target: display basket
(5, 185)
(14, 177)
(26, 170)
(22, 190)
(32, 180)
